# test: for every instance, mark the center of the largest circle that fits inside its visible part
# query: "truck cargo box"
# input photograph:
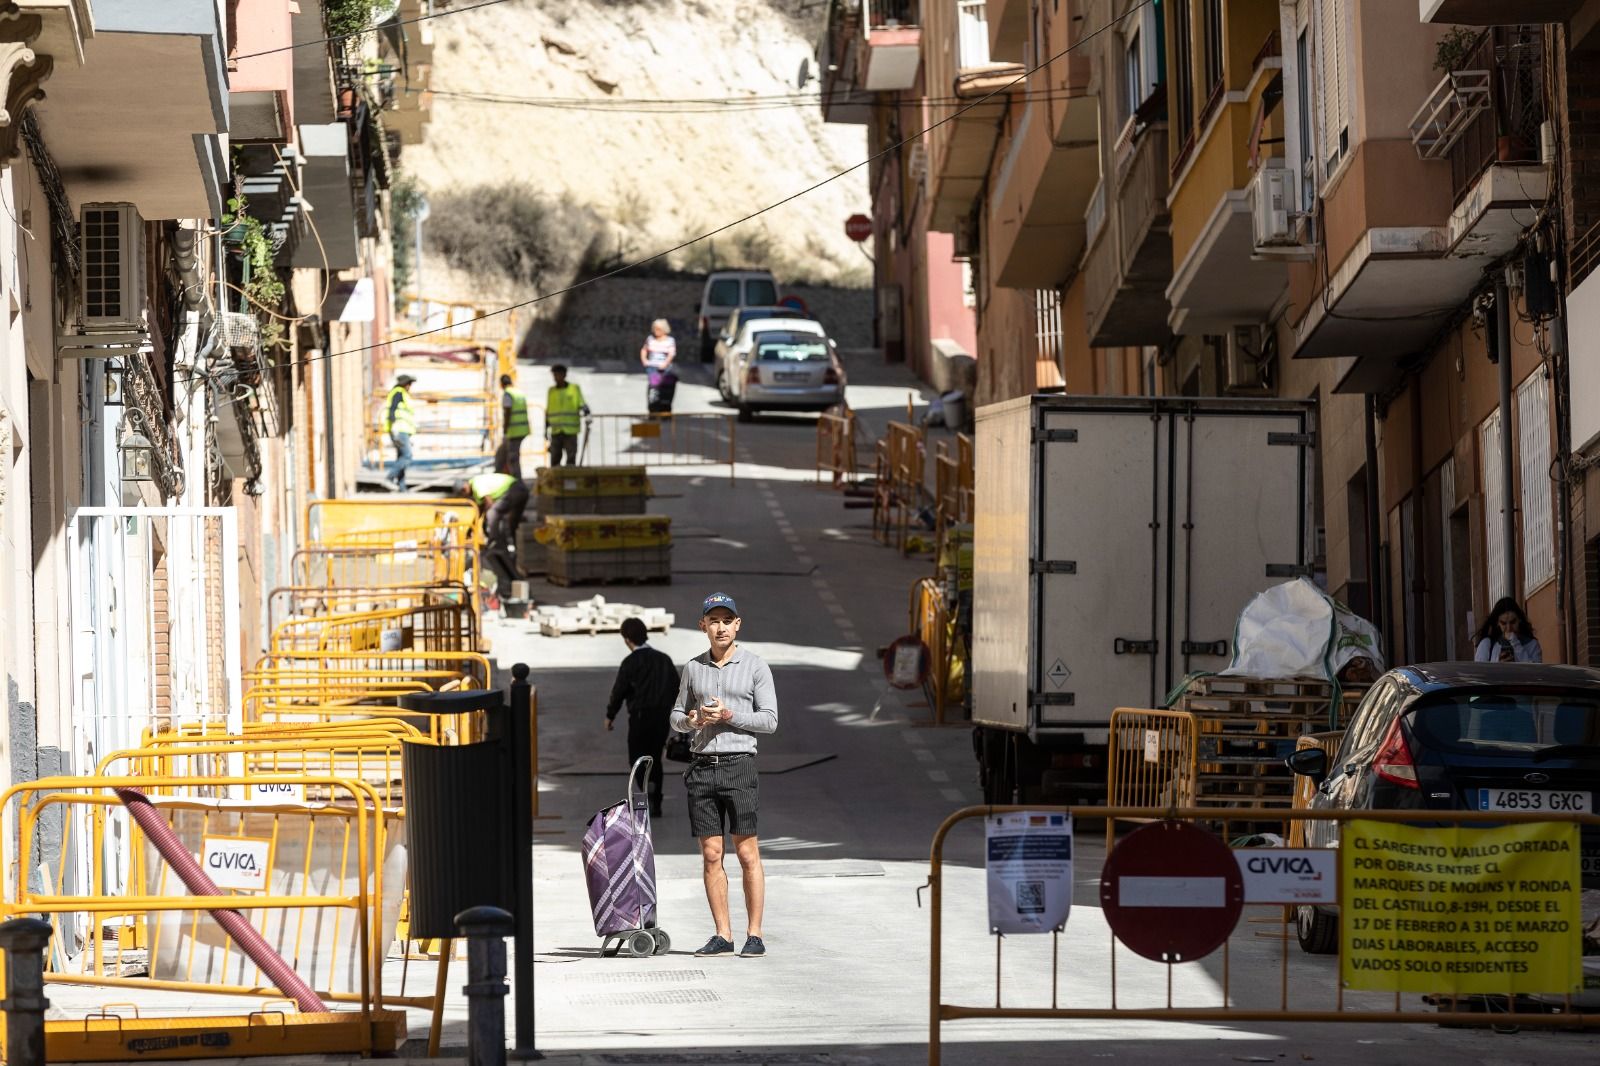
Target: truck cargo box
(1116, 541)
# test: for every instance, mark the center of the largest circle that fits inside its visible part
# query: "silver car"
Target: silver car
(781, 364)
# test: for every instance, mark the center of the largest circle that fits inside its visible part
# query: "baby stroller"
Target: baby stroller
(619, 861)
(663, 386)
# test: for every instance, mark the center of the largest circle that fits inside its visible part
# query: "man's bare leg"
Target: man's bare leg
(716, 879)
(755, 882)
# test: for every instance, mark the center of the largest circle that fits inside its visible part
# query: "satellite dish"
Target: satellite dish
(805, 73)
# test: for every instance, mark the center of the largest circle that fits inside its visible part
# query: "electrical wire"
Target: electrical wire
(362, 33)
(727, 105)
(896, 146)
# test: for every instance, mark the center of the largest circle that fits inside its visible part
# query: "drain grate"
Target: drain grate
(666, 997)
(643, 977)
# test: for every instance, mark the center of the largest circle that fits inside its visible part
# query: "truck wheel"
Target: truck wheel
(1317, 930)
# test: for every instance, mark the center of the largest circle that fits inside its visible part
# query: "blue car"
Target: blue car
(1460, 736)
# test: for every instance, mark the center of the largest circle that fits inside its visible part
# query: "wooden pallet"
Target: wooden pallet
(617, 566)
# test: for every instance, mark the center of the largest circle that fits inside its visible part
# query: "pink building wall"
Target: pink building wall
(264, 26)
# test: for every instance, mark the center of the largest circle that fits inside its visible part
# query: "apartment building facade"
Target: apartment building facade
(1378, 205)
(194, 252)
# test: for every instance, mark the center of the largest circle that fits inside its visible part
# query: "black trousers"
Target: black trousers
(647, 735)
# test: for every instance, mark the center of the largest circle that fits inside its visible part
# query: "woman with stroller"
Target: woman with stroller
(660, 351)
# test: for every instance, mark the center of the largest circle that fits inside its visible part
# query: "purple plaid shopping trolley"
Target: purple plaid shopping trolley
(619, 862)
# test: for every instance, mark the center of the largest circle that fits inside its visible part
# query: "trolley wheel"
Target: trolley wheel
(663, 941)
(641, 945)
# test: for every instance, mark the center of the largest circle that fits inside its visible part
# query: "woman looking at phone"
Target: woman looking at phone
(1507, 636)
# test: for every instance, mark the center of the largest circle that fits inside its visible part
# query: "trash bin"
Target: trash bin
(458, 823)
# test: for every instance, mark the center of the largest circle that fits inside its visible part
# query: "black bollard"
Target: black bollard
(486, 929)
(24, 940)
(524, 783)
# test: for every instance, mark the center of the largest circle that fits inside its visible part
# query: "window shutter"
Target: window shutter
(1533, 448)
(1334, 92)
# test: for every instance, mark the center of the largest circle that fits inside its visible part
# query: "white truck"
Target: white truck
(1115, 542)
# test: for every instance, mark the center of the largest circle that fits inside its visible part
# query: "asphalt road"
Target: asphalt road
(846, 839)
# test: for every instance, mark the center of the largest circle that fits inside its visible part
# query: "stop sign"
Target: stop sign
(858, 227)
(1171, 892)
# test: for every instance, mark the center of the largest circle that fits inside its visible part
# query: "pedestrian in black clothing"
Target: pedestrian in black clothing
(648, 681)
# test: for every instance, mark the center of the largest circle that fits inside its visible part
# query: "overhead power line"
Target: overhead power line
(728, 105)
(635, 264)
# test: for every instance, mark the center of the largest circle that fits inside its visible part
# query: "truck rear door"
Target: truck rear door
(1097, 563)
(1239, 522)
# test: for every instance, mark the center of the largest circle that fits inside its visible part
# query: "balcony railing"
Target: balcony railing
(1507, 131)
(889, 14)
(972, 19)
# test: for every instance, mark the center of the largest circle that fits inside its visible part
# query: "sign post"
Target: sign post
(1171, 892)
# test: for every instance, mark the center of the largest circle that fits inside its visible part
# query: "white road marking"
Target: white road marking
(914, 738)
(938, 775)
(952, 794)
(924, 755)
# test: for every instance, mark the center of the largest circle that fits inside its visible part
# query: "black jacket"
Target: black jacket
(648, 681)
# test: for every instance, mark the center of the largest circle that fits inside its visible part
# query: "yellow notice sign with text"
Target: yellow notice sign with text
(1460, 910)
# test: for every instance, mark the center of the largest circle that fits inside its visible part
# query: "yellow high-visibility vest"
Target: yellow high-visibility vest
(401, 419)
(517, 424)
(490, 486)
(562, 409)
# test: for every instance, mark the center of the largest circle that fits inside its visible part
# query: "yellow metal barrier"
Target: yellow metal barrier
(472, 668)
(437, 627)
(322, 904)
(287, 602)
(1151, 761)
(424, 564)
(690, 440)
(836, 448)
(899, 491)
(1304, 787)
(328, 520)
(930, 621)
(1122, 987)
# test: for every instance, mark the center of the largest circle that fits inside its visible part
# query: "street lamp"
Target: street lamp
(115, 383)
(138, 457)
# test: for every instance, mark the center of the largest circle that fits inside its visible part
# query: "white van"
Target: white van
(727, 290)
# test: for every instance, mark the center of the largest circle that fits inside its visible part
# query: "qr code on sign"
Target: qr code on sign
(1030, 897)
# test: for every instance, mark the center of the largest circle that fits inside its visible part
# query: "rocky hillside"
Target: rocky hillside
(622, 177)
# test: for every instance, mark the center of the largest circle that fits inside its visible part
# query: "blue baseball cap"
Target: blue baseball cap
(718, 599)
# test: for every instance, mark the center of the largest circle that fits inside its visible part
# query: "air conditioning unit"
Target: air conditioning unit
(111, 289)
(1245, 359)
(1274, 231)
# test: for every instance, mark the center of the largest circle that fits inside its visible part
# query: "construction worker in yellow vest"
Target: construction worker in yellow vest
(563, 410)
(514, 419)
(400, 422)
(501, 499)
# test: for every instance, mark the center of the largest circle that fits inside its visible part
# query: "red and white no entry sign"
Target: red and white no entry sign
(1171, 892)
(858, 227)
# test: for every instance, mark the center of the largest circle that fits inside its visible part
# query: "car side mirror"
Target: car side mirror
(1309, 762)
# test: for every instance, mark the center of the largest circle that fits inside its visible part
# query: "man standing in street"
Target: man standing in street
(502, 499)
(400, 422)
(563, 409)
(726, 698)
(647, 680)
(514, 420)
